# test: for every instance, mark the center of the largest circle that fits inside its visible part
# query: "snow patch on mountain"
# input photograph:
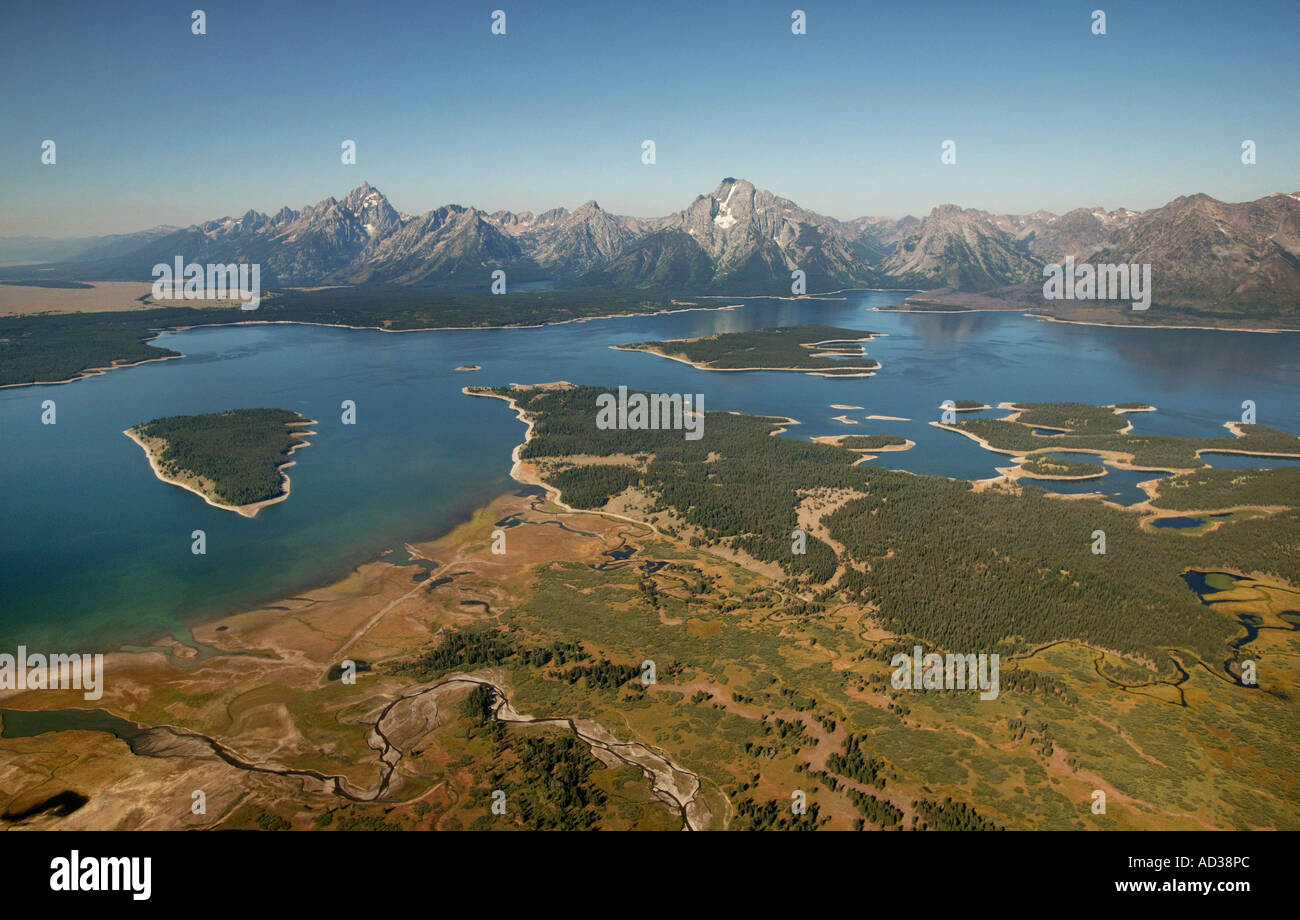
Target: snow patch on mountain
(724, 218)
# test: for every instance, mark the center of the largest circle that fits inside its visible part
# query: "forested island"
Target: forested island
(1049, 467)
(871, 442)
(234, 459)
(821, 350)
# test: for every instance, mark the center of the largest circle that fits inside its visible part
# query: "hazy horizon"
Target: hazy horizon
(155, 125)
(340, 195)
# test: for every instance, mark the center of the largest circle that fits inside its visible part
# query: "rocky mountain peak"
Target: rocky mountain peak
(741, 238)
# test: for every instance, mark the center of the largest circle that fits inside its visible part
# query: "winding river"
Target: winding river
(399, 724)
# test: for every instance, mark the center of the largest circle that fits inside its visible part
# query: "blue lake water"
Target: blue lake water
(1247, 462)
(96, 551)
(1118, 485)
(1178, 522)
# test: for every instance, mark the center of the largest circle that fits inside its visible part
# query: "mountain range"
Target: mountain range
(1206, 254)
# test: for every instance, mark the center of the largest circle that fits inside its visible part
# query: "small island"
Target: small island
(232, 460)
(468, 367)
(824, 351)
(877, 442)
(866, 446)
(1045, 466)
(1107, 432)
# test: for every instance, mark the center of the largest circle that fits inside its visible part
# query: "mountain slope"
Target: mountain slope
(1229, 258)
(662, 258)
(450, 244)
(959, 249)
(751, 241)
(1206, 255)
(566, 244)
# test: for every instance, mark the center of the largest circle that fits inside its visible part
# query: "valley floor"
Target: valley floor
(751, 705)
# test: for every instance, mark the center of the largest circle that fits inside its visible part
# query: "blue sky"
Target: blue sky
(156, 125)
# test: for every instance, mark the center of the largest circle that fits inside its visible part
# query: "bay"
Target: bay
(95, 550)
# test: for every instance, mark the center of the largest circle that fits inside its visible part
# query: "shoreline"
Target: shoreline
(100, 370)
(92, 371)
(823, 295)
(1027, 311)
(835, 439)
(526, 474)
(1118, 457)
(1018, 472)
(152, 446)
(1082, 322)
(811, 371)
(97, 371)
(516, 461)
(541, 325)
(1120, 460)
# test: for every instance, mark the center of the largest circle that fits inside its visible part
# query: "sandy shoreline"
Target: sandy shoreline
(96, 371)
(1081, 322)
(1018, 472)
(1120, 460)
(1027, 311)
(526, 474)
(811, 371)
(92, 371)
(153, 446)
(835, 439)
(824, 295)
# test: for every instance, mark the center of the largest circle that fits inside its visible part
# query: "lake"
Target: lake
(95, 550)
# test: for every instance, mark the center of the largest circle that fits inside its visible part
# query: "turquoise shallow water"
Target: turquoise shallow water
(95, 551)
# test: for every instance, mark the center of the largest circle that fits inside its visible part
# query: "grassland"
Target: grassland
(757, 697)
(522, 674)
